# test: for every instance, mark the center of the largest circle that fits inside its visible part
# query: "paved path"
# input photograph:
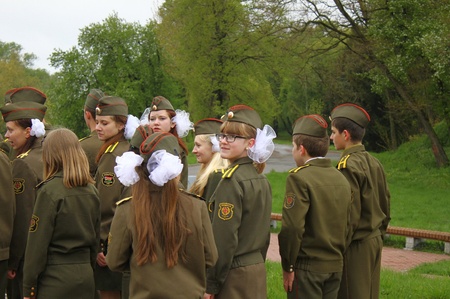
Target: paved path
(391, 258)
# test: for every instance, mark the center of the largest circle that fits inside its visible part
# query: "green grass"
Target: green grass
(427, 281)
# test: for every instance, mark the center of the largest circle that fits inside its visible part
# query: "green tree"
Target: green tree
(120, 58)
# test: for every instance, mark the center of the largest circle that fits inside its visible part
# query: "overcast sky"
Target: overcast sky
(41, 26)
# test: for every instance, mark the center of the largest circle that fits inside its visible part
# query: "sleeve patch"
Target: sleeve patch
(19, 185)
(108, 179)
(34, 223)
(289, 200)
(225, 211)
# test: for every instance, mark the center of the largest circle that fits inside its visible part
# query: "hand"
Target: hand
(288, 279)
(208, 296)
(101, 260)
(11, 274)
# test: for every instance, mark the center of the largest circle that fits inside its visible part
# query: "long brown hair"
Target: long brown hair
(159, 220)
(61, 151)
(25, 123)
(118, 119)
(244, 130)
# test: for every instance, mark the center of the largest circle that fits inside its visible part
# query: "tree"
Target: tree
(393, 37)
(120, 58)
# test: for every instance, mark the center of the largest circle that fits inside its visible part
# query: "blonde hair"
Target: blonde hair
(61, 151)
(217, 162)
(158, 220)
(244, 130)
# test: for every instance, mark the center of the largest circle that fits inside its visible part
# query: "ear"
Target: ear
(88, 114)
(347, 135)
(251, 142)
(27, 132)
(302, 150)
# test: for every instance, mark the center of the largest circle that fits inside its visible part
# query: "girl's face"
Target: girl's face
(202, 150)
(16, 135)
(107, 127)
(233, 150)
(160, 121)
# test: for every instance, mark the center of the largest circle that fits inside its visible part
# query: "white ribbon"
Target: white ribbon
(37, 128)
(131, 126)
(264, 146)
(184, 125)
(144, 117)
(163, 167)
(125, 168)
(215, 144)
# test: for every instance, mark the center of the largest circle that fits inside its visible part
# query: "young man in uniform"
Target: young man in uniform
(316, 212)
(91, 144)
(370, 212)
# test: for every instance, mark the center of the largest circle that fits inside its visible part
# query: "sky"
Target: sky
(41, 26)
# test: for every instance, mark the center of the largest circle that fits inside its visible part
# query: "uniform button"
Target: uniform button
(32, 294)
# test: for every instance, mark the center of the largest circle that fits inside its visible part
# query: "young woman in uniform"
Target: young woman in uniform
(241, 207)
(25, 132)
(114, 126)
(65, 226)
(161, 234)
(206, 149)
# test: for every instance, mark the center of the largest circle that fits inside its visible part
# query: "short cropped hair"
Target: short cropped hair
(315, 146)
(356, 131)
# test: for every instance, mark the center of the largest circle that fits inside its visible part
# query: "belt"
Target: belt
(247, 259)
(79, 257)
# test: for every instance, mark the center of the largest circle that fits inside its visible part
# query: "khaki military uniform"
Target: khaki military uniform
(7, 213)
(91, 146)
(62, 241)
(6, 148)
(214, 179)
(241, 208)
(27, 171)
(315, 224)
(184, 173)
(370, 216)
(155, 280)
(111, 191)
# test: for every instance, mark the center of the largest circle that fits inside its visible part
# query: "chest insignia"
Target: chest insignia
(225, 211)
(108, 179)
(34, 223)
(19, 185)
(289, 201)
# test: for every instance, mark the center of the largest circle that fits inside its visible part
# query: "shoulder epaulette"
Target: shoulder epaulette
(192, 194)
(296, 169)
(84, 138)
(112, 147)
(123, 200)
(343, 162)
(219, 170)
(229, 172)
(21, 156)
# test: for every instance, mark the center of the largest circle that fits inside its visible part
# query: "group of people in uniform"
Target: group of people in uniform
(112, 216)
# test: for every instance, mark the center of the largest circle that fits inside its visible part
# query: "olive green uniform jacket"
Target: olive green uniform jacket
(27, 171)
(62, 241)
(184, 172)
(315, 221)
(91, 146)
(241, 208)
(7, 213)
(109, 187)
(370, 213)
(155, 280)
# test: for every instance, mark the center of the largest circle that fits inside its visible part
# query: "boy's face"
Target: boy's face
(338, 138)
(297, 155)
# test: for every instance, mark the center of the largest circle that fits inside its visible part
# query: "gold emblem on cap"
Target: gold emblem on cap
(98, 111)
(154, 108)
(230, 114)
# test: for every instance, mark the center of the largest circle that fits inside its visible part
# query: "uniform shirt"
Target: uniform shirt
(64, 229)
(27, 171)
(315, 221)
(155, 280)
(91, 146)
(7, 204)
(241, 208)
(184, 172)
(370, 213)
(109, 187)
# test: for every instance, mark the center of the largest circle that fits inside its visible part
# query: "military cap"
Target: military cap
(141, 133)
(161, 103)
(8, 95)
(311, 125)
(159, 141)
(353, 112)
(243, 114)
(207, 126)
(109, 106)
(93, 97)
(27, 94)
(23, 110)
